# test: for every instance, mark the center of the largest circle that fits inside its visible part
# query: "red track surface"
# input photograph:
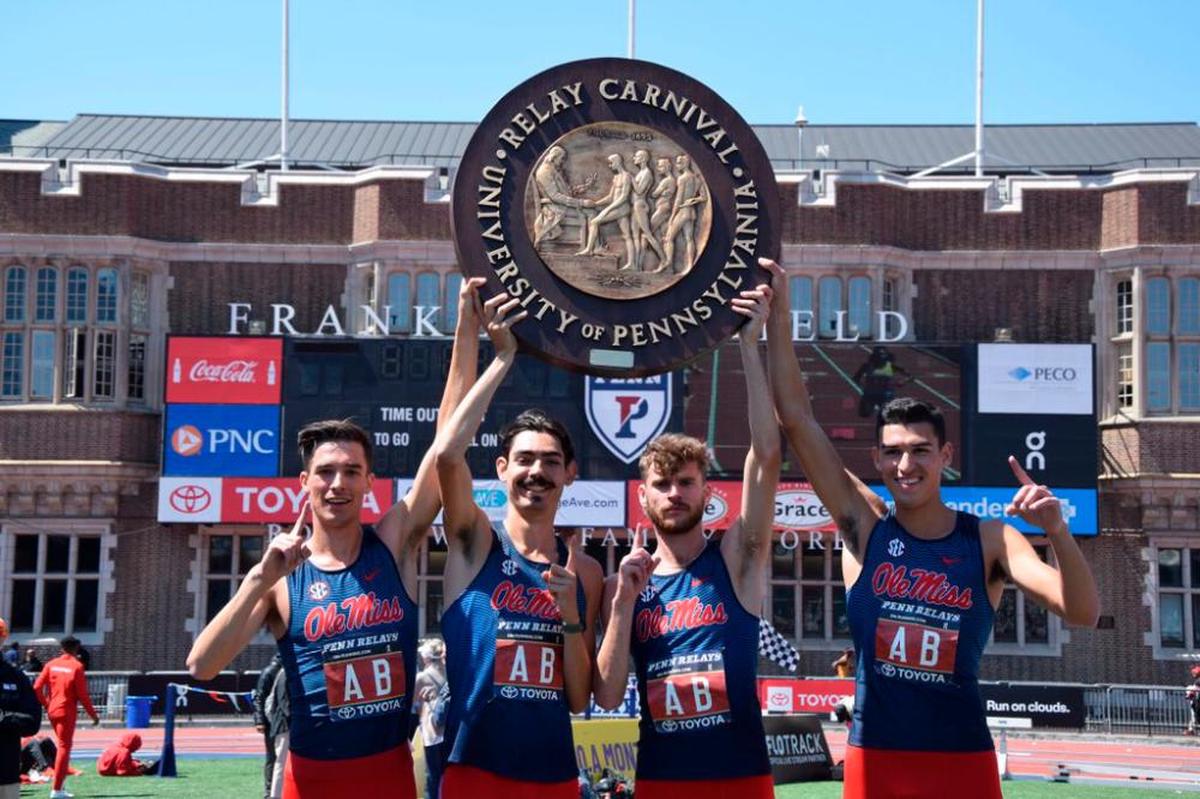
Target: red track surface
(1027, 757)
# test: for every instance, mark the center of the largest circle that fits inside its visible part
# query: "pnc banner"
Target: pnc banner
(221, 440)
(236, 370)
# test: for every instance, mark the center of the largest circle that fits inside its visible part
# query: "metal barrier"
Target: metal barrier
(108, 690)
(1140, 709)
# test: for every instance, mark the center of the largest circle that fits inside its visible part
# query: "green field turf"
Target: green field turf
(242, 777)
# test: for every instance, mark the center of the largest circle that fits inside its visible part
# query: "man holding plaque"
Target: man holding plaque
(689, 613)
(922, 585)
(521, 605)
(340, 607)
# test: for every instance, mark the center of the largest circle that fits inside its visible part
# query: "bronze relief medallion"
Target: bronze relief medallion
(625, 205)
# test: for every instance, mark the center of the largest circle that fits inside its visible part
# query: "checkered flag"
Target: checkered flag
(775, 648)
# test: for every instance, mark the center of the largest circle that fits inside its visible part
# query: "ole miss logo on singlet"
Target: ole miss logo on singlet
(916, 634)
(351, 614)
(677, 615)
(687, 692)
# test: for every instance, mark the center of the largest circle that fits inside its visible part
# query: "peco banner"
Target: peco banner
(227, 370)
(585, 503)
(224, 440)
(1035, 378)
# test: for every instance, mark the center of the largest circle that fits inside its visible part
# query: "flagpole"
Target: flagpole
(283, 112)
(632, 27)
(979, 89)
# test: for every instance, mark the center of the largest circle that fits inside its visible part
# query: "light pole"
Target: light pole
(801, 121)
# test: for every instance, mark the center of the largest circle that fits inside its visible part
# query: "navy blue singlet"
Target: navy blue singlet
(921, 617)
(350, 656)
(508, 710)
(695, 651)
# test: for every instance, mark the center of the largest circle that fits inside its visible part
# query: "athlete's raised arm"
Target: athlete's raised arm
(1069, 590)
(416, 511)
(254, 604)
(467, 527)
(747, 544)
(822, 465)
(620, 594)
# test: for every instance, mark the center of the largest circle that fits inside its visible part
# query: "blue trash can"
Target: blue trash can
(137, 711)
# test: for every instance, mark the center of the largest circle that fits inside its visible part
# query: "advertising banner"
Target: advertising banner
(1035, 378)
(585, 503)
(1043, 705)
(278, 499)
(606, 744)
(189, 499)
(802, 695)
(1058, 451)
(221, 440)
(1079, 505)
(797, 748)
(224, 369)
(797, 508)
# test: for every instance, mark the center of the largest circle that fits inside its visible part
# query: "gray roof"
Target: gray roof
(200, 141)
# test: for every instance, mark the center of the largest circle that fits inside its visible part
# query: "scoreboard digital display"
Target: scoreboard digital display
(393, 388)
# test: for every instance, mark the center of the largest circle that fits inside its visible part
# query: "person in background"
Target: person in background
(61, 687)
(428, 692)
(20, 715)
(1193, 698)
(118, 760)
(12, 655)
(32, 664)
(262, 690)
(843, 667)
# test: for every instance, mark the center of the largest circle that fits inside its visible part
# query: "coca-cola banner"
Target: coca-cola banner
(802, 695)
(796, 507)
(279, 499)
(228, 370)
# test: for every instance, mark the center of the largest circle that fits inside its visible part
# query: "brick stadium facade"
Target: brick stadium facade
(1053, 260)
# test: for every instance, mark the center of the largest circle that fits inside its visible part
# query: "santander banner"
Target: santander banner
(225, 370)
(796, 507)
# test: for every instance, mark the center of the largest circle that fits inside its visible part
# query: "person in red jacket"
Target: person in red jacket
(118, 760)
(59, 688)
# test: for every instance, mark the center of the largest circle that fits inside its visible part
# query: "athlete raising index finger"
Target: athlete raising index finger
(690, 615)
(340, 607)
(922, 585)
(520, 619)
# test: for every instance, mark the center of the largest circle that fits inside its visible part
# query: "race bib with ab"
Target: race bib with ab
(529, 657)
(687, 692)
(364, 682)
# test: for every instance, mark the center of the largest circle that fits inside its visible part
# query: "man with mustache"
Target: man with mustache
(690, 613)
(340, 607)
(520, 619)
(922, 584)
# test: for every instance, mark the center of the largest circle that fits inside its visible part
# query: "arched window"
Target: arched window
(77, 294)
(45, 307)
(399, 300)
(829, 290)
(14, 294)
(106, 295)
(428, 297)
(453, 283)
(860, 306)
(1187, 307)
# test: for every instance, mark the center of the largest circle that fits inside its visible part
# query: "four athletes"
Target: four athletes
(523, 602)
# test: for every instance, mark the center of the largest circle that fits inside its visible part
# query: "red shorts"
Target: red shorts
(897, 774)
(762, 787)
(466, 782)
(388, 773)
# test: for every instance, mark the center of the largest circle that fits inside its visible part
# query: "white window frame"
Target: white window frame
(1191, 586)
(199, 577)
(75, 529)
(1056, 634)
(831, 579)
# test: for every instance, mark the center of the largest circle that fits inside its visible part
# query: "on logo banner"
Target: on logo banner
(625, 414)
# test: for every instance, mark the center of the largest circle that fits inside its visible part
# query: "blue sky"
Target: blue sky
(872, 61)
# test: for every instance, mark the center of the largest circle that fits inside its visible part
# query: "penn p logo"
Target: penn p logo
(626, 413)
